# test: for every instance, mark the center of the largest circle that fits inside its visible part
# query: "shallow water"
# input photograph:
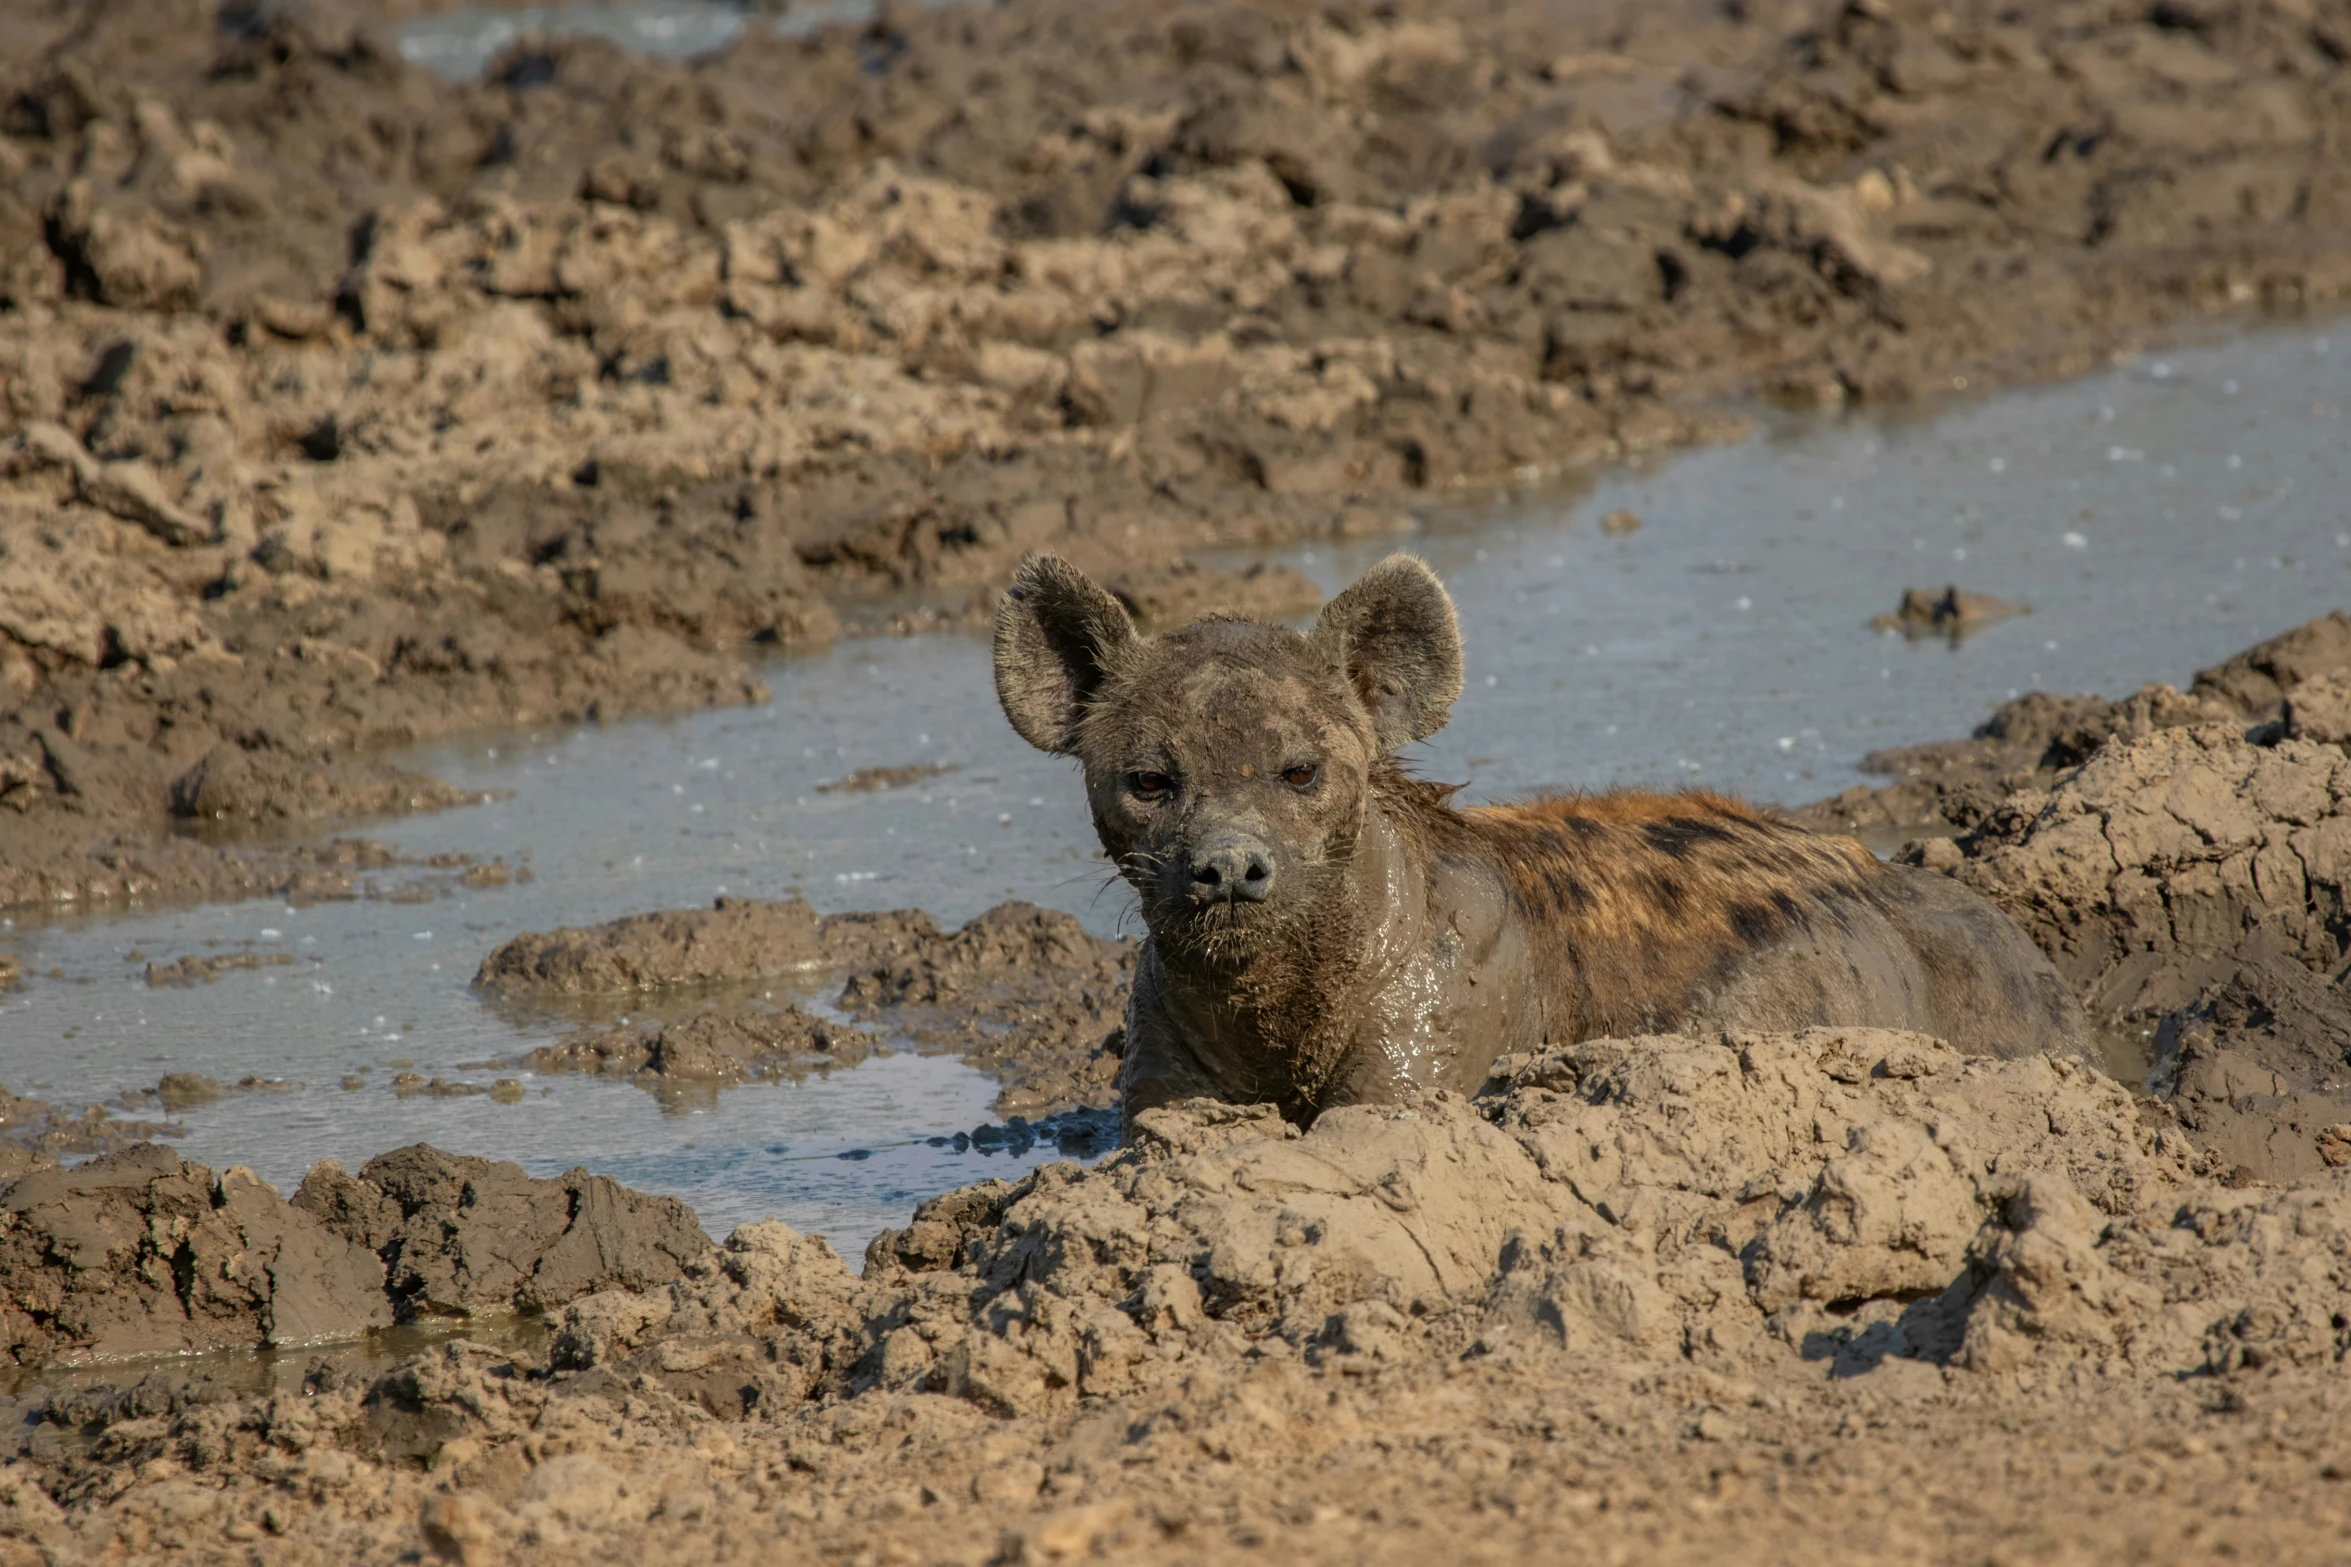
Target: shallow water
(2157, 519)
(461, 43)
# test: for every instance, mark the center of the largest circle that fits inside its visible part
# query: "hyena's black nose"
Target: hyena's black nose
(1231, 870)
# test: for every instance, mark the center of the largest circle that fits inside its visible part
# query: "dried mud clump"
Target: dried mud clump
(709, 1050)
(1850, 1262)
(881, 780)
(343, 407)
(1945, 612)
(194, 969)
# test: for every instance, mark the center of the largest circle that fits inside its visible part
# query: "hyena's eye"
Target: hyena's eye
(1150, 786)
(1301, 776)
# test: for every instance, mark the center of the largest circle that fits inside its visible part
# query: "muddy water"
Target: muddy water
(461, 43)
(2156, 519)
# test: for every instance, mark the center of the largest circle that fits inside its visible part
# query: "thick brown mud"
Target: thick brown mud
(138, 1253)
(1782, 1294)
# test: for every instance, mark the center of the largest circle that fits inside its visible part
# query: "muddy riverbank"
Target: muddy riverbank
(348, 406)
(1830, 1296)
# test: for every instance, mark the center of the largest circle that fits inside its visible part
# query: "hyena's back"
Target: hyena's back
(1690, 910)
(1922, 952)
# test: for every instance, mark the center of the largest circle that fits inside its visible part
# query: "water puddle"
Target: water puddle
(245, 1373)
(2156, 519)
(460, 44)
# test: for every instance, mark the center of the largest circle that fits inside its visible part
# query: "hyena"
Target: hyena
(1325, 928)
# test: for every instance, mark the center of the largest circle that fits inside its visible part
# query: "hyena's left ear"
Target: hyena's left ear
(1395, 634)
(1058, 637)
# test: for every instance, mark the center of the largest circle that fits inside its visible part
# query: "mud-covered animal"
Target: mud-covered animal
(1326, 929)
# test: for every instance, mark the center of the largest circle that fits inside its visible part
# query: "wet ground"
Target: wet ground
(2155, 519)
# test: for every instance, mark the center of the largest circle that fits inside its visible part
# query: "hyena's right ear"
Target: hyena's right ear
(1395, 634)
(1058, 637)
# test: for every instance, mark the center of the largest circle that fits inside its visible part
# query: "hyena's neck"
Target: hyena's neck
(1280, 1025)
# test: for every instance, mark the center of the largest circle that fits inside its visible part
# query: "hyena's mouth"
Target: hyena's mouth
(1221, 930)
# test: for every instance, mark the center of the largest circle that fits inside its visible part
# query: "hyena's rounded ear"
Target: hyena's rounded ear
(1395, 634)
(1058, 637)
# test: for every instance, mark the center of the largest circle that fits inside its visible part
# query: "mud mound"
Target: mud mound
(736, 939)
(2258, 681)
(1661, 1196)
(460, 1235)
(1020, 991)
(2169, 847)
(231, 783)
(195, 969)
(1764, 1273)
(139, 1253)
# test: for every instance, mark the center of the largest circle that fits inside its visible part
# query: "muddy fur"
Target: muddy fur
(1327, 929)
(1680, 906)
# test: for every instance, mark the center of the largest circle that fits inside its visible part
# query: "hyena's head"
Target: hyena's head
(1227, 763)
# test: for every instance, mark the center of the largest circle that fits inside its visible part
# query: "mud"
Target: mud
(35, 1133)
(710, 1048)
(2176, 854)
(137, 1253)
(2190, 882)
(1023, 992)
(197, 970)
(871, 780)
(460, 1235)
(1837, 1295)
(348, 407)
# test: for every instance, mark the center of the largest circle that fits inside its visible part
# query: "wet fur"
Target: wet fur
(1406, 943)
(1667, 906)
